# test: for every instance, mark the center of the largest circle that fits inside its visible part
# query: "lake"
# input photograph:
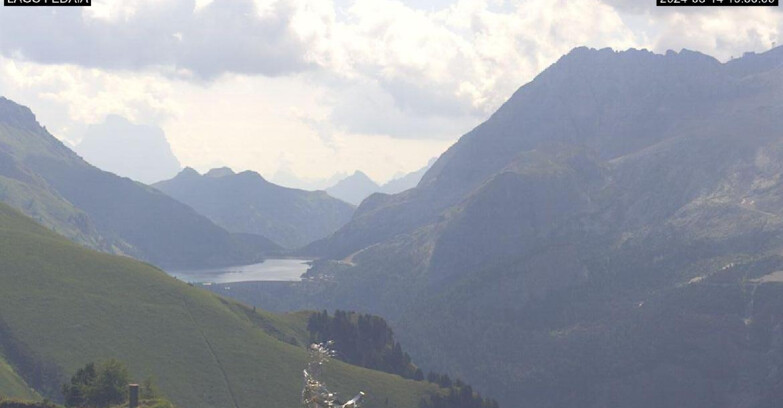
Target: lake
(275, 270)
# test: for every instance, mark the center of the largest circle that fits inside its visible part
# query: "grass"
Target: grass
(20, 403)
(13, 386)
(47, 209)
(68, 306)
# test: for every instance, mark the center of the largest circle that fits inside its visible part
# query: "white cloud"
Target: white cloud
(245, 122)
(324, 86)
(205, 41)
(461, 61)
(67, 98)
(232, 123)
(721, 33)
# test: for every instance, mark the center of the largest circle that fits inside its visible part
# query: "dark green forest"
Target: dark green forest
(460, 395)
(363, 340)
(368, 341)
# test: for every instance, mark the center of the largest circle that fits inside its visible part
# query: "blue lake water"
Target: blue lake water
(275, 270)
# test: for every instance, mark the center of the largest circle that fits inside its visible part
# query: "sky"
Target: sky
(314, 88)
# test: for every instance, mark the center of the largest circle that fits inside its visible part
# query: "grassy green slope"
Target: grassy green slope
(13, 386)
(69, 306)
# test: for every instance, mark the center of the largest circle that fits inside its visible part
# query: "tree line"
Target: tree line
(368, 341)
(105, 385)
(363, 340)
(459, 395)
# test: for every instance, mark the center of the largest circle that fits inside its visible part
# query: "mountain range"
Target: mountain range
(611, 236)
(47, 181)
(358, 186)
(247, 203)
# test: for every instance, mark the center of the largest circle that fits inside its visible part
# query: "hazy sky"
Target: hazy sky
(317, 87)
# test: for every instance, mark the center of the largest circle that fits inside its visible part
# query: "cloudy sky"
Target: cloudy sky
(318, 87)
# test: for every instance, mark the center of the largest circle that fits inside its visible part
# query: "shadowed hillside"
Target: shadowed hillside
(246, 202)
(596, 242)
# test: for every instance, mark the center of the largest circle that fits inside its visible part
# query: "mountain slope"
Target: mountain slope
(247, 203)
(62, 306)
(13, 386)
(407, 181)
(46, 180)
(596, 104)
(597, 242)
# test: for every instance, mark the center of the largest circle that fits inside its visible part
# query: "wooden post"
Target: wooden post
(133, 395)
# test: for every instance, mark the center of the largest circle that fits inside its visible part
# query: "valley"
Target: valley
(572, 250)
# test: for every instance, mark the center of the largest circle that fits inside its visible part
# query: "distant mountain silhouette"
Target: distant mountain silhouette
(354, 188)
(49, 182)
(357, 187)
(246, 202)
(407, 181)
(139, 152)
